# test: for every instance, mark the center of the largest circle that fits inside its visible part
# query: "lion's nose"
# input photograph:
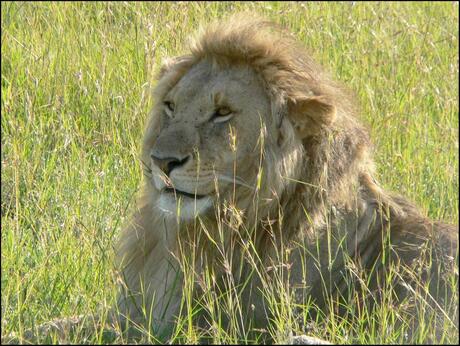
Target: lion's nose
(167, 164)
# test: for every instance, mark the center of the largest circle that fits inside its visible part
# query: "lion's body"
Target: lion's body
(304, 205)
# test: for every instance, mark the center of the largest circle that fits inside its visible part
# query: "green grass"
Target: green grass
(76, 80)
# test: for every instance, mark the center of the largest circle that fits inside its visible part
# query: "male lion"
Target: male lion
(261, 188)
(259, 174)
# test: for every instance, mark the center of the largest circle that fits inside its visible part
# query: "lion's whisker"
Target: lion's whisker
(234, 179)
(146, 167)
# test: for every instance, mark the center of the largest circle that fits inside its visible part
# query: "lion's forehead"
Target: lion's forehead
(198, 75)
(202, 82)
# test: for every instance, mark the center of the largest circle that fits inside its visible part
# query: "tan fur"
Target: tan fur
(317, 183)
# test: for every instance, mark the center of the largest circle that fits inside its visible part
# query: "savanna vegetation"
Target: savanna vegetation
(75, 94)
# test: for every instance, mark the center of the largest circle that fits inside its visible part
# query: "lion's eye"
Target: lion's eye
(169, 106)
(222, 114)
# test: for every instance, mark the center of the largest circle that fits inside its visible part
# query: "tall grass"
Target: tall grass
(76, 80)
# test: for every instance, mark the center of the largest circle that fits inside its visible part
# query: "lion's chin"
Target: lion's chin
(183, 207)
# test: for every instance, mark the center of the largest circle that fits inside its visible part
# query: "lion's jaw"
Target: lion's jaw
(178, 200)
(184, 207)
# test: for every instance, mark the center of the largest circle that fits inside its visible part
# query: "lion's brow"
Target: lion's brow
(217, 97)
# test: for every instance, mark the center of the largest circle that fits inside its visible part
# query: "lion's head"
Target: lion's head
(246, 111)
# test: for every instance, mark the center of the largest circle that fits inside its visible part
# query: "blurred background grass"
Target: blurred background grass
(76, 80)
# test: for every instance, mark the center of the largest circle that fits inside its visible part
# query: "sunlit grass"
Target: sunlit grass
(76, 80)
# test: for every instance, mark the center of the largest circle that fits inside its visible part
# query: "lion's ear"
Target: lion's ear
(309, 115)
(170, 72)
(176, 63)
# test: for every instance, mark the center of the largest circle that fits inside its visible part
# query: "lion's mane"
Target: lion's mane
(328, 182)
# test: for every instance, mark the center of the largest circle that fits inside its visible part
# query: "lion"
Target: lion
(255, 162)
(249, 136)
(259, 177)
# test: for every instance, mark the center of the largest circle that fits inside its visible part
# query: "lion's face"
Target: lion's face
(204, 137)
